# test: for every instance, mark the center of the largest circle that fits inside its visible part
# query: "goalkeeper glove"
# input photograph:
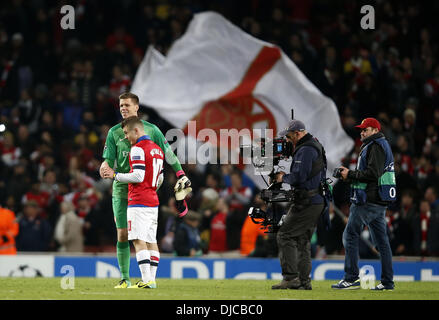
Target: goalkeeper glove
(181, 194)
(182, 183)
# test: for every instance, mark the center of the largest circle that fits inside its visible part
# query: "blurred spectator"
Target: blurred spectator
(68, 230)
(47, 124)
(207, 207)
(71, 110)
(99, 222)
(433, 177)
(46, 161)
(433, 234)
(167, 225)
(409, 120)
(238, 199)
(120, 36)
(51, 186)
(119, 83)
(431, 87)
(25, 142)
(401, 237)
(92, 220)
(103, 108)
(187, 241)
(358, 64)
(49, 183)
(82, 186)
(83, 81)
(10, 153)
(228, 169)
(90, 129)
(422, 230)
(431, 195)
(430, 139)
(396, 131)
(213, 181)
(332, 72)
(8, 231)
(237, 196)
(408, 205)
(29, 111)
(19, 182)
(432, 217)
(209, 200)
(82, 207)
(422, 170)
(399, 89)
(403, 179)
(404, 156)
(218, 233)
(84, 153)
(40, 197)
(34, 231)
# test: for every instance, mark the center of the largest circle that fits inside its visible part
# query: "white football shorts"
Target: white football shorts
(142, 223)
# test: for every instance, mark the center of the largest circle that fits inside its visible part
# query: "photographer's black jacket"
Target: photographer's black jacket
(301, 168)
(376, 159)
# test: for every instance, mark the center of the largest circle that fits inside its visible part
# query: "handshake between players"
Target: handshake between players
(181, 189)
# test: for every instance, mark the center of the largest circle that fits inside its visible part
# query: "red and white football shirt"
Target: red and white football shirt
(146, 162)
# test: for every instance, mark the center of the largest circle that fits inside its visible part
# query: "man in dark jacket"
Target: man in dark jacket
(35, 232)
(187, 241)
(293, 238)
(373, 187)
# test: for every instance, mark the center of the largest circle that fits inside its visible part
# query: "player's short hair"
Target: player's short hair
(132, 122)
(129, 95)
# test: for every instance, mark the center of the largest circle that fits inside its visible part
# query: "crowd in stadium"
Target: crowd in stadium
(59, 96)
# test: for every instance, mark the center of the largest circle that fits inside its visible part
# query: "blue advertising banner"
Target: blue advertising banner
(244, 268)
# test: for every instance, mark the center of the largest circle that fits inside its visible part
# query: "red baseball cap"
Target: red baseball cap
(369, 122)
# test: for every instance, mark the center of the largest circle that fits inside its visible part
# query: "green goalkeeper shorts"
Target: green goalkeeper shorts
(120, 207)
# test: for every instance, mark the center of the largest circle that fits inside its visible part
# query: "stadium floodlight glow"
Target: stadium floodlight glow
(2, 127)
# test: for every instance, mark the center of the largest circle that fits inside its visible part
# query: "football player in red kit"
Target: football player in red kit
(146, 162)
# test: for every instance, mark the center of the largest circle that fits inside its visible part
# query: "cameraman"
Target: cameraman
(372, 189)
(307, 170)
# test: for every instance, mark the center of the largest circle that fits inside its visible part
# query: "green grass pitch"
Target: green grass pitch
(194, 289)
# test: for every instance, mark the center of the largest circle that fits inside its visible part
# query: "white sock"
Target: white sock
(143, 260)
(155, 258)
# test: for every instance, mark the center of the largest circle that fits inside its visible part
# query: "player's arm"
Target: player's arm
(170, 156)
(137, 175)
(171, 159)
(181, 202)
(109, 154)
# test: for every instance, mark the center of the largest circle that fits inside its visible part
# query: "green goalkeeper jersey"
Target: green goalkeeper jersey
(117, 149)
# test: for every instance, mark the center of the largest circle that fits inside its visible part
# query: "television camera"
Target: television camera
(267, 154)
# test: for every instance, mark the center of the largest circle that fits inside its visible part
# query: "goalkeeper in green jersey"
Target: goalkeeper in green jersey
(116, 151)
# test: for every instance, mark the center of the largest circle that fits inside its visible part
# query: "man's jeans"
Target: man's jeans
(373, 216)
